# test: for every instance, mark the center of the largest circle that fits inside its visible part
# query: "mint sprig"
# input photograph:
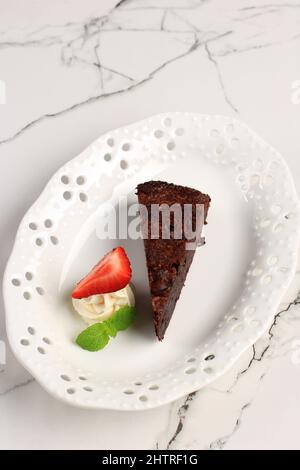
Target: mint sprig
(122, 318)
(97, 336)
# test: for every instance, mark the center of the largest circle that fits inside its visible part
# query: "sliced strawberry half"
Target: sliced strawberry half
(112, 273)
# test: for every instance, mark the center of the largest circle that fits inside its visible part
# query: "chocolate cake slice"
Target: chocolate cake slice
(168, 260)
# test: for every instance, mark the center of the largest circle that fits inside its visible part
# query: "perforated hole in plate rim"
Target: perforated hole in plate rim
(167, 122)
(28, 276)
(165, 133)
(39, 242)
(190, 370)
(179, 131)
(67, 195)
(83, 197)
(80, 180)
(40, 290)
(54, 240)
(48, 223)
(210, 357)
(27, 295)
(192, 359)
(33, 226)
(158, 133)
(171, 145)
(65, 179)
(126, 147)
(123, 164)
(143, 398)
(153, 388)
(65, 377)
(129, 392)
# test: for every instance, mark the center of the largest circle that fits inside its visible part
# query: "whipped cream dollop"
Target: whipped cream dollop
(100, 307)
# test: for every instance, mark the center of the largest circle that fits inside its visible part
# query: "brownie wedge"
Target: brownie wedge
(168, 260)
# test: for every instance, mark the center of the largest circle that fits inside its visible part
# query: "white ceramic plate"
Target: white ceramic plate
(233, 288)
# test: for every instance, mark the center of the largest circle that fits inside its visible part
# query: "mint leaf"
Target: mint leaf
(123, 318)
(110, 328)
(95, 337)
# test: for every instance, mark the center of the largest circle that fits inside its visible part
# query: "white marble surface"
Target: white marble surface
(97, 65)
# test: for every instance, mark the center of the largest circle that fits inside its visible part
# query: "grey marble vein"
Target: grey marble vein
(277, 317)
(271, 5)
(82, 42)
(190, 6)
(103, 95)
(259, 357)
(236, 51)
(183, 409)
(221, 442)
(16, 386)
(220, 78)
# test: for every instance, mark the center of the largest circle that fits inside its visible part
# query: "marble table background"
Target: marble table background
(73, 70)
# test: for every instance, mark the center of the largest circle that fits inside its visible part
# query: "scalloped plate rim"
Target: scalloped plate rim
(192, 388)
